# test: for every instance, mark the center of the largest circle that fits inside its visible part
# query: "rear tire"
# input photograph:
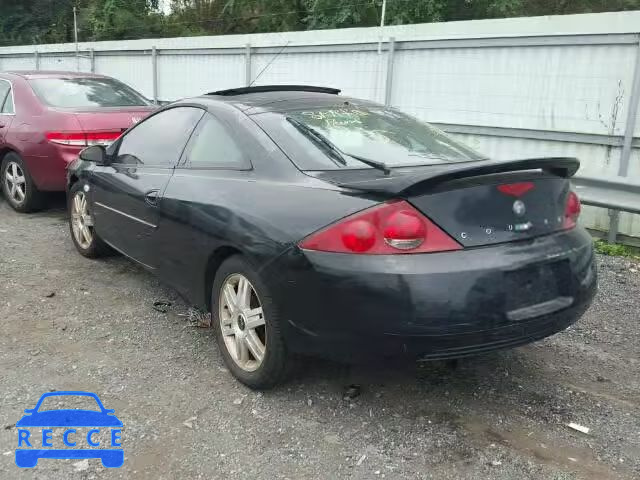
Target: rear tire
(17, 185)
(272, 363)
(83, 233)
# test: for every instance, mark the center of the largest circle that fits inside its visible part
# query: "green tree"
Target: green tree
(117, 19)
(51, 21)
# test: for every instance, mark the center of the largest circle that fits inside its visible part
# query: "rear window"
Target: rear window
(380, 134)
(86, 92)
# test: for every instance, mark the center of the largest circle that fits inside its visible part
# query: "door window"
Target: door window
(212, 146)
(6, 99)
(8, 104)
(160, 139)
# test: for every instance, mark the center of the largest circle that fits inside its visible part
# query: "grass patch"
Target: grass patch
(616, 250)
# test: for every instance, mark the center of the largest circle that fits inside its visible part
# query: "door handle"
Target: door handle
(151, 197)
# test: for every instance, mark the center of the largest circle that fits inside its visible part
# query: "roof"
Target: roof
(51, 74)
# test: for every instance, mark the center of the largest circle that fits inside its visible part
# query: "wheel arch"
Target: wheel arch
(4, 151)
(215, 260)
(72, 180)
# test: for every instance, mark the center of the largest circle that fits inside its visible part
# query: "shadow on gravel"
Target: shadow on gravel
(495, 371)
(55, 207)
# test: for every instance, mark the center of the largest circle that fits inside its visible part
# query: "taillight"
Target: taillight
(67, 138)
(516, 189)
(82, 139)
(572, 210)
(388, 228)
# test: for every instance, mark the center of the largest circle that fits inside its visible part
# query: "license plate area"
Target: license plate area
(536, 284)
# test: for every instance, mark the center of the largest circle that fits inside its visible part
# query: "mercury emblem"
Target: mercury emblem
(519, 208)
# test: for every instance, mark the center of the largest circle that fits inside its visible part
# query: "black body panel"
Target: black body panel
(124, 216)
(205, 211)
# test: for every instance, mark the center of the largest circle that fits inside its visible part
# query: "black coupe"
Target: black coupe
(312, 223)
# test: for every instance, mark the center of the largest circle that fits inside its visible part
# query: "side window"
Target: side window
(8, 103)
(212, 146)
(159, 140)
(5, 88)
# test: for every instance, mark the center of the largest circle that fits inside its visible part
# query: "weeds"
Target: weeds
(615, 250)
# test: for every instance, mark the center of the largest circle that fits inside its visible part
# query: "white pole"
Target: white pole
(384, 11)
(75, 35)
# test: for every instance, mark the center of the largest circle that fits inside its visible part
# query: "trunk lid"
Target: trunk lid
(479, 203)
(110, 119)
(498, 208)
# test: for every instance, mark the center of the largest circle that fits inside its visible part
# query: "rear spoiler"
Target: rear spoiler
(402, 184)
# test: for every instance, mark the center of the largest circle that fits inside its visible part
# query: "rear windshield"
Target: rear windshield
(86, 92)
(380, 134)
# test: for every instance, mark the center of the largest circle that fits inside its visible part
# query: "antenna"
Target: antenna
(270, 62)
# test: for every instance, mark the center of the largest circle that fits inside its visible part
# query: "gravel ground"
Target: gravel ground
(500, 416)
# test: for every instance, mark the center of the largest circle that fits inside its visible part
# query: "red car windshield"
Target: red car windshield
(86, 92)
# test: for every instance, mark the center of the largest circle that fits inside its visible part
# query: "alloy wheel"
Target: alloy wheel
(242, 322)
(15, 183)
(81, 220)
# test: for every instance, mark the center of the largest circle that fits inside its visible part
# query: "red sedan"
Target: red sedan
(46, 118)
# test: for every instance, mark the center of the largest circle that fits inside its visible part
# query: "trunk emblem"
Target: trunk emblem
(135, 120)
(519, 208)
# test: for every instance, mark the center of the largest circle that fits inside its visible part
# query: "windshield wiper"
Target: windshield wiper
(371, 163)
(331, 147)
(318, 138)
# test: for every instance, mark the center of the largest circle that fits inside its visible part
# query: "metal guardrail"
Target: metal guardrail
(614, 193)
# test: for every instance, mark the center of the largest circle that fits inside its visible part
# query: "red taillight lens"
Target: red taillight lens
(67, 138)
(516, 189)
(389, 228)
(359, 235)
(572, 210)
(82, 139)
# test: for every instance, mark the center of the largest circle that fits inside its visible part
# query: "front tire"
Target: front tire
(81, 223)
(247, 326)
(18, 186)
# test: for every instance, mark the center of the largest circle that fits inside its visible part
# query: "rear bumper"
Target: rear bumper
(442, 305)
(49, 171)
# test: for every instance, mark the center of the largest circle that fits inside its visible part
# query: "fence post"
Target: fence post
(92, 59)
(632, 113)
(36, 57)
(154, 73)
(625, 154)
(247, 64)
(388, 86)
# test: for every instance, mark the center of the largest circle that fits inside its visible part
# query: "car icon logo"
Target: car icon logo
(135, 120)
(88, 433)
(519, 208)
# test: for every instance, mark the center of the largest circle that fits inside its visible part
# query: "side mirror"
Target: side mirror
(95, 153)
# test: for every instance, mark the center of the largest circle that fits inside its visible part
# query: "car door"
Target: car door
(7, 110)
(196, 206)
(127, 193)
